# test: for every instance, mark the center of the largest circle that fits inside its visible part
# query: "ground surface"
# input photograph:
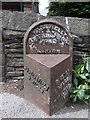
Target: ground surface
(15, 106)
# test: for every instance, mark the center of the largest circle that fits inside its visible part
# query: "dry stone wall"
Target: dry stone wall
(13, 45)
(2, 59)
(14, 26)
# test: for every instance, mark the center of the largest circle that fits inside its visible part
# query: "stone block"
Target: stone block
(21, 20)
(15, 64)
(14, 74)
(88, 26)
(47, 80)
(0, 35)
(18, 56)
(2, 71)
(1, 44)
(5, 18)
(78, 26)
(0, 19)
(0, 5)
(2, 79)
(2, 59)
(18, 51)
(9, 34)
(10, 69)
(1, 48)
(61, 19)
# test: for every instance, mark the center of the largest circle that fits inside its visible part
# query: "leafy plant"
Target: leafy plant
(80, 90)
(74, 9)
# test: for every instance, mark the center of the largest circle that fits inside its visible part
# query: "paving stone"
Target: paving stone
(16, 107)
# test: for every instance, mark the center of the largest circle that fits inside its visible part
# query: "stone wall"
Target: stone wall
(81, 47)
(2, 59)
(14, 26)
(13, 49)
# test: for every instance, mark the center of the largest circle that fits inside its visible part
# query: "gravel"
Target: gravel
(12, 106)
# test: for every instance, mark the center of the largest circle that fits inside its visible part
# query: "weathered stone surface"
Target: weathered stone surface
(13, 46)
(0, 35)
(14, 51)
(2, 71)
(15, 64)
(13, 68)
(18, 56)
(89, 26)
(1, 44)
(2, 79)
(14, 74)
(2, 59)
(80, 48)
(14, 60)
(15, 78)
(21, 21)
(0, 21)
(61, 19)
(77, 39)
(1, 48)
(78, 26)
(5, 18)
(12, 34)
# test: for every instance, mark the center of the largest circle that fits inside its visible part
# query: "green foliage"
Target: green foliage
(80, 90)
(72, 9)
